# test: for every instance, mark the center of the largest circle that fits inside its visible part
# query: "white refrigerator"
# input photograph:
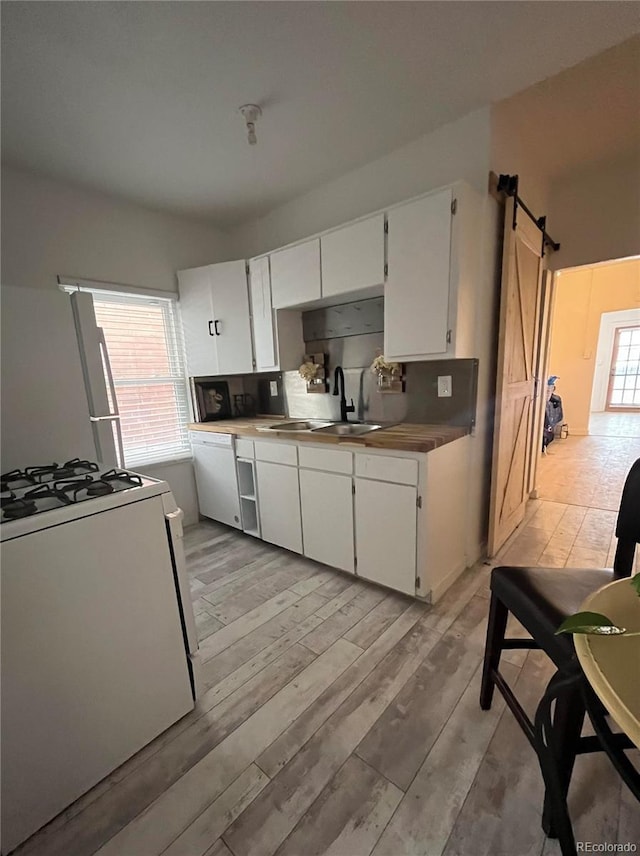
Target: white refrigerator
(99, 651)
(55, 376)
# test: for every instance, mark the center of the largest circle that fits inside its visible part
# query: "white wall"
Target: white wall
(50, 228)
(459, 150)
(511, 154)
(595, 213)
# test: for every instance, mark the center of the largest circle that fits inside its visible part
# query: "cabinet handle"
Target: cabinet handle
(211, 333)
(215, 327)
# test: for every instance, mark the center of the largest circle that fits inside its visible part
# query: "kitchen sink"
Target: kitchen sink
(302, 425)
(349, 429)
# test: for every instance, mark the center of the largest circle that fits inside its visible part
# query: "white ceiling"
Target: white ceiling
(139, 99)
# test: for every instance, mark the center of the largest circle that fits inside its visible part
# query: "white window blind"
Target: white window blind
(144, 342)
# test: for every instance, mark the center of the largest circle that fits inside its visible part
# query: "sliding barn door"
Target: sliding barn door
(516, 384)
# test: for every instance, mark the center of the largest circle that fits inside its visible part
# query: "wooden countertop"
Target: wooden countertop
(406, 436)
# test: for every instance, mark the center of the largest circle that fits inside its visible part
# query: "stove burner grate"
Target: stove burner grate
(15, 475)
(121, 475)
(37, 475)
(48, 490)
(77, 464)
(99, 487)
(64, 472)
(68, 489)
(5, 500)
(18, 508)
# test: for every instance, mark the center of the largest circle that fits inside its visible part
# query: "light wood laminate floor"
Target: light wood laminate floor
(342, 718)
(338, 718)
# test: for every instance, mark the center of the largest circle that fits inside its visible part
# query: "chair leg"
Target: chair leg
(568, 719)
(547, 743)
(498, 614)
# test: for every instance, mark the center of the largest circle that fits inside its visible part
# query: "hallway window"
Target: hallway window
(624, 384)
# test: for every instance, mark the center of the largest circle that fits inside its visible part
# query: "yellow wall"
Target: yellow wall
(581, 296)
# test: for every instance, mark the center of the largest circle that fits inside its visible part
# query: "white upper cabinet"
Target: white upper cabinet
(295, 274)
(353, 257)
(196, 311)
(214, 306)
(416, 306)
(262, 314)
(231, 323)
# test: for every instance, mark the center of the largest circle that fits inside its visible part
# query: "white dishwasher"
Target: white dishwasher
(214, 461)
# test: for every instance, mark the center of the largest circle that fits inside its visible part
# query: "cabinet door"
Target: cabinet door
(217, 483)
(327, 518)
(279, 499)
(295, 274)
(262, 314)
(386, 533)
(353, 257)
(232, 326)
(196, 311)
(416, 299)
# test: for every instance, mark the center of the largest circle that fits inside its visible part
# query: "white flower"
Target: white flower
(381, 366)
(308, 371)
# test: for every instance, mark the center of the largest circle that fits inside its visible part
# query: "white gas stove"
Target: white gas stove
(99, 645)
(47, 495)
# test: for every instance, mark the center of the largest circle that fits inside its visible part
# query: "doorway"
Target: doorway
(595, 353)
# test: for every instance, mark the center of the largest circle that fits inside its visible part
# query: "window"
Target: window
(144, 342)
(624, 383)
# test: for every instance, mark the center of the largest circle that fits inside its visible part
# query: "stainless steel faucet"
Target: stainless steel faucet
(338, 389)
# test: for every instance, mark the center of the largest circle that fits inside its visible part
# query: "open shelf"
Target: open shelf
(249, 509)
(246, 483)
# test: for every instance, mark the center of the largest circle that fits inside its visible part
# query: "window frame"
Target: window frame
(176, 357)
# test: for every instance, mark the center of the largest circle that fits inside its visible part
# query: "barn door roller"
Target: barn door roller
(508, 184)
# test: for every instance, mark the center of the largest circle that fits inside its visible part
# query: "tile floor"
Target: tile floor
(615, 424)
(580, 480)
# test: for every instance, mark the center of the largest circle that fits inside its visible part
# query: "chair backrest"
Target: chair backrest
(628, 525)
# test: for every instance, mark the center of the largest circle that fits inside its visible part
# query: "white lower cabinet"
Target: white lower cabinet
(279, 498)
(386, 533)
(326, 500)
(214, 462)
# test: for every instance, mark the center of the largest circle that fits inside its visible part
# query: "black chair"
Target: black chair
(541, 599)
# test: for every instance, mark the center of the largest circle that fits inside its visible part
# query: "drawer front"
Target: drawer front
(398, 470)
(330, 460)
(276, 453)
(244, 448)
(211, 438)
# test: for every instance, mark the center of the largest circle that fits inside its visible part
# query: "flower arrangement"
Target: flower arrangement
(308, 371)
(380, 366)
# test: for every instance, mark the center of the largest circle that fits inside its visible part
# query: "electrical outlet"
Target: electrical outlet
(273, 388)
(444, 386)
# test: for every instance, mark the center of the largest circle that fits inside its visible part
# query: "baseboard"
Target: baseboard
(438, 590)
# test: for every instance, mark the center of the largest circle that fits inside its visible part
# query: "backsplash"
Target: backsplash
(347, 345)
(355, 353)
(420, 402)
